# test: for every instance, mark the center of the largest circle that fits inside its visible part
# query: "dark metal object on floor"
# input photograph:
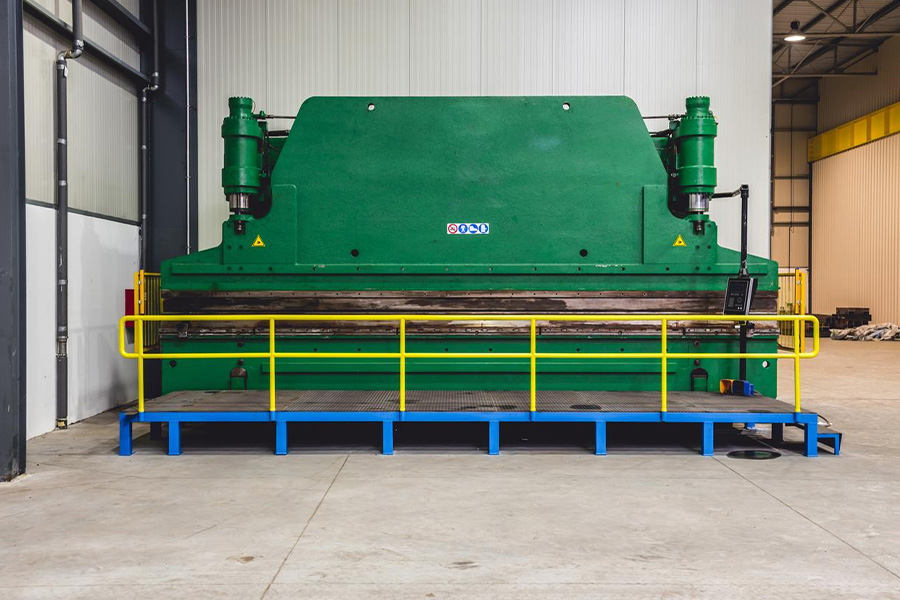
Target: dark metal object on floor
(754, 454)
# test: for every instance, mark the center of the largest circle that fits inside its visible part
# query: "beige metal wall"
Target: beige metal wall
(793, 125)
(856, 217)
(281, 52)
(844, 99)
(103, 132)
(856, 199)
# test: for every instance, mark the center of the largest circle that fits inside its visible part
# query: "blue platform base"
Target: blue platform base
(280, 419)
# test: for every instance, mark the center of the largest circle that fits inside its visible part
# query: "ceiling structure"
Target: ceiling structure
(840, 36)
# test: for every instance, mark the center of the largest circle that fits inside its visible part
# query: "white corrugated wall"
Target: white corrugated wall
(280, 52)
(103, 195)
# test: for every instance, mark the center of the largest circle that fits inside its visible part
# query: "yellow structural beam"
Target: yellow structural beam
(873, 126)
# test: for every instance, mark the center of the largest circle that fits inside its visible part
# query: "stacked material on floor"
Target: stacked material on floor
(881, 331)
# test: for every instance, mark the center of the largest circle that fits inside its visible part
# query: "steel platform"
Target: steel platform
(491, 407)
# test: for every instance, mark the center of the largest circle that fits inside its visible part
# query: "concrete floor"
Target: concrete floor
(545, 520)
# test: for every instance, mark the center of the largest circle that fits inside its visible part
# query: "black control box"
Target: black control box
(739, 295)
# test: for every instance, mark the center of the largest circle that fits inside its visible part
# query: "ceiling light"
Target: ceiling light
(795, 35)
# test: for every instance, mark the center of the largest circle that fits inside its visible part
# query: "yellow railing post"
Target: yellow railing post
(797, 351)
(272, 365)
(664, 407)
(139, 347)
(533, 365)
(402, 365)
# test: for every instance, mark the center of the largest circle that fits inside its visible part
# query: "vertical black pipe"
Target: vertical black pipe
(745, 197)
(143, 126)
(62, 218)
(144, 129)
(62, 242)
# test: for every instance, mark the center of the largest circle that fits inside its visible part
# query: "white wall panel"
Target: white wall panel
(103, 178)
(445, 48)
(103, 258)
(232, 55)
(660, 54)
(40, 324)
(517, 47)
(656, 51)
(373, 47)
(303, 58)
(103, 130)
(734, 70)
(589, 47)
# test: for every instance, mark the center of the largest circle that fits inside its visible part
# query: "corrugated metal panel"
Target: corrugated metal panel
(589, 47)
(660, 67)
(103, 136)
(373, 47)
(232, 53)
(845, 99)
(517, 47)
(303, 53)
(790, 247)
(445, 48)
(856, 216)
(649, 49)
(101, 28)
(733, 53)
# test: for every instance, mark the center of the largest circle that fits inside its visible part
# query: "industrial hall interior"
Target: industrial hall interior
(450, 299)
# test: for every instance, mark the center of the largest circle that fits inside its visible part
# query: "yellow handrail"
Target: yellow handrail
(533, 354)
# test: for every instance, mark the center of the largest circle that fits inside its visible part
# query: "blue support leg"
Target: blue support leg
(494, 437)
(174, 438)
(387, 437)
(156, 431)
(777, 433)
(281, 438)
(125, 438)
(811, 438)
(600, 438)
(708, 428)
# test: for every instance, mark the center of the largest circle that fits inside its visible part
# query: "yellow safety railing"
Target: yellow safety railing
(663, 355)
(147, 302)
(791, 301)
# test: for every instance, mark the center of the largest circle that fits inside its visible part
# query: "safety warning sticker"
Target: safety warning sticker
(679, 241)
(468, 228)
(258, 243)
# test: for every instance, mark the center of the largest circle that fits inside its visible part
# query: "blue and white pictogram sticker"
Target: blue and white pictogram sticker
(468, 228)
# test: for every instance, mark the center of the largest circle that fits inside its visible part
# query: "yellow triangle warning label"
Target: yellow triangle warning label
(258, 243)
(679, 241)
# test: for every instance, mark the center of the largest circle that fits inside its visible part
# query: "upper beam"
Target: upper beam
(858, 132)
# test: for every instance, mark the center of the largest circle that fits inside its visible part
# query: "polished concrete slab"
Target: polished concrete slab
(545, 519)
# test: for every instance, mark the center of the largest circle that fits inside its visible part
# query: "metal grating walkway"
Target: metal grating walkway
(459, 401)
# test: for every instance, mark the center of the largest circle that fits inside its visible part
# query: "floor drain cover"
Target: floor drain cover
(754, 454)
